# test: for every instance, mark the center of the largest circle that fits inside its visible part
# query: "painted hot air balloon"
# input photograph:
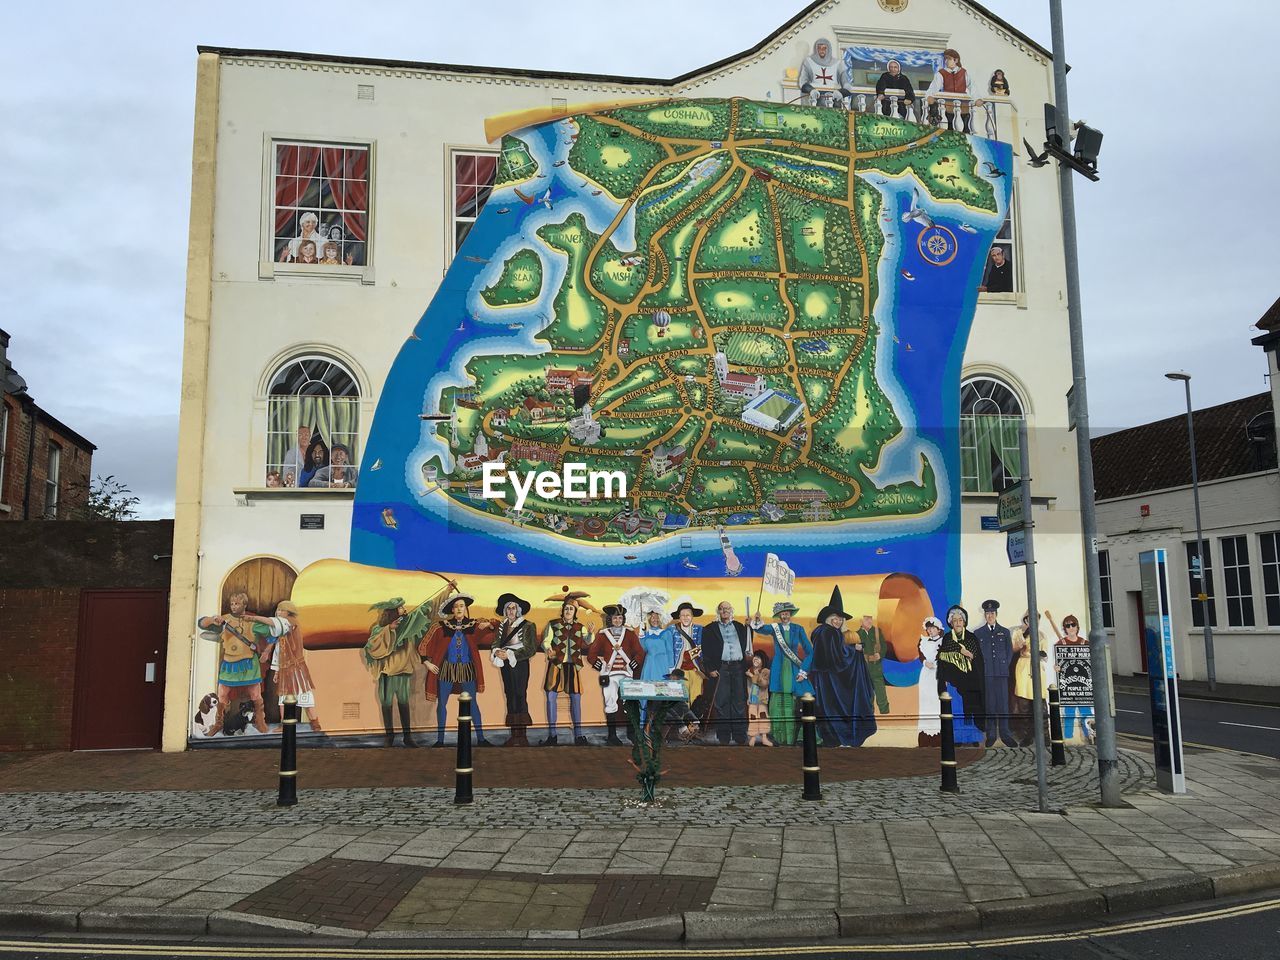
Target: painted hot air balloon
(661, 320)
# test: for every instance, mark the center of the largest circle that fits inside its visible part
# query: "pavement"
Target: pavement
(724, 862)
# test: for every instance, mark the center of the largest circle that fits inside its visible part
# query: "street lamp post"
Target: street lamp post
(1200, 544)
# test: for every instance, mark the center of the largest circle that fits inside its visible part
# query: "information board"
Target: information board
(1075, 674)
(652, 690)
(1157, 630)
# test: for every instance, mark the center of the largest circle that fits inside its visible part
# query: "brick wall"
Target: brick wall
(74, 474)
(43, 569)
(38, 634)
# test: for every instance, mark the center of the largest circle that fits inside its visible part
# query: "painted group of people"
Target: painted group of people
(745, 678)
(826, 80)
(313, 463)
(990, 668)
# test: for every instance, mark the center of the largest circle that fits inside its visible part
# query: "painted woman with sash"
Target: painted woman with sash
(789, 674)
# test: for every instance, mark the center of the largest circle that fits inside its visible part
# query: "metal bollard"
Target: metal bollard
(949, 782)
(288, 794)
(809, 732)
(1058, 753)
(464, 769)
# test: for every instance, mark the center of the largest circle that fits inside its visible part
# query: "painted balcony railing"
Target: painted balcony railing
(993, 117)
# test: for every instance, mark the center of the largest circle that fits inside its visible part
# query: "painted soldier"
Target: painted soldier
(725, 654)
(451, 653)
(564, 642)
(869, 638)
(789, 673)
(390, 656)
(616, 654)
(997, 662)
(239, 672)
(515, 644)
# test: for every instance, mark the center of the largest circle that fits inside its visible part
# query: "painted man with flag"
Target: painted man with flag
(789, 672)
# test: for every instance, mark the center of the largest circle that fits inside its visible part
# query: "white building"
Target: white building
(1144, 501)
(396, 157)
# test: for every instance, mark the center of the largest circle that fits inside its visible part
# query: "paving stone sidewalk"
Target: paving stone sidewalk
(408, 861)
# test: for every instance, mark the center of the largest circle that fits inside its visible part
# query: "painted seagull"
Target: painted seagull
(993, 171)
(915, 213)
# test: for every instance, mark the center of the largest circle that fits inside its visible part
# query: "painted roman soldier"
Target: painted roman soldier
(451, 653)
(516, 642)
(616, 654)
(239, 672)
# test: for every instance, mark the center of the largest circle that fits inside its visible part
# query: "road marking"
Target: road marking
(1251, 726)
(1201, 746)
(214, 951)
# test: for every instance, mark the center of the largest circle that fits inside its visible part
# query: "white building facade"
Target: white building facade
(396, 159)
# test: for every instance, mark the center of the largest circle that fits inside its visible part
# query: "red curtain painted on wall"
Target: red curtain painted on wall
(347, 172)
(295, 167)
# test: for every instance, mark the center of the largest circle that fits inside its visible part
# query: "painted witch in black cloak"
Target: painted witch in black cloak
(841, 683)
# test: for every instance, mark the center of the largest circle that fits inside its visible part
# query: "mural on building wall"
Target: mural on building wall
(738, 326)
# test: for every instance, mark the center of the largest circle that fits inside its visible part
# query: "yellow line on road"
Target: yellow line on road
(320, 952)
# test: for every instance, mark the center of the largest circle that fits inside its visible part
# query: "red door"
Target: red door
(1142, 632)
(120, 669)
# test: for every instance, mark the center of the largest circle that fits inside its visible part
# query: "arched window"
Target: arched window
(989, 416)
(313, 425)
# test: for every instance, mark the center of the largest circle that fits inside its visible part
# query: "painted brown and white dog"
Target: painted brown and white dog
(207, 714)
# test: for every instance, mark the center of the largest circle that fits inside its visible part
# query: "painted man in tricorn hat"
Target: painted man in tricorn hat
(789, 673)
(616, 654)
(451, 654)
(516, 642)
(997, 663)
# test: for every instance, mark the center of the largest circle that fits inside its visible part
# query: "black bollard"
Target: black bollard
(288, 794)
(949, 782)
(1058, 753)
(809, 733)
(464, 769)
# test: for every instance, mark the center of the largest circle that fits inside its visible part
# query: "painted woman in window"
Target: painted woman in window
(308, 232)
(339, 473)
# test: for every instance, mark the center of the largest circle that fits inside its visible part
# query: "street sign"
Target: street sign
(1009, 508)
(990, 523)
(1157, 630)
(1016, 548)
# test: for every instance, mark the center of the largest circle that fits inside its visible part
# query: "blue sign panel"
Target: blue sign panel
(1157, 629)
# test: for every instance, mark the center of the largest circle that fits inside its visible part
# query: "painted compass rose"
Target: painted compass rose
(938, 245)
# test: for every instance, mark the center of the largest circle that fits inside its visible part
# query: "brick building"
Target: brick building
(45, 466)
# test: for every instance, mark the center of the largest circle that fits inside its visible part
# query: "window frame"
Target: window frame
(354, 438)
(451, 219)
(1237, 580)
(1197, 614)
(1104, 584)
(1006, 420)
(52, 479)
(268, 268)
(1270, 575)
(4, 448)
(1014, 216)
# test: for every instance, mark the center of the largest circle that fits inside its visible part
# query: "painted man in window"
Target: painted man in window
(998, 276)
(339, 472)
(951, 85)
(822, 76)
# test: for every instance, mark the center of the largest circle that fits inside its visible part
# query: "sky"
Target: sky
(96, 109)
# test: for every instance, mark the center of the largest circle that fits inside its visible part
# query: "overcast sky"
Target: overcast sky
(96, 107)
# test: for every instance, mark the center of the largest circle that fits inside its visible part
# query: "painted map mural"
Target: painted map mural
(756, 312)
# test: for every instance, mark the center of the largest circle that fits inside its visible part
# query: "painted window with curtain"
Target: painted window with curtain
(990, 413)
(321, 213)
(313, 425)
(473, 175)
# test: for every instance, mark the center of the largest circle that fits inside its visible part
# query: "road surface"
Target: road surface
(1214, 723)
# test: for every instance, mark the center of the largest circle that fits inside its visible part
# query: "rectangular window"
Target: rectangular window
(473, 175)
(1270, 546)
(51, 478)
(321, 203)
(1104, 581)
(4, 444)
(1196, 587)
(1237, 581)
(1000, 274)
